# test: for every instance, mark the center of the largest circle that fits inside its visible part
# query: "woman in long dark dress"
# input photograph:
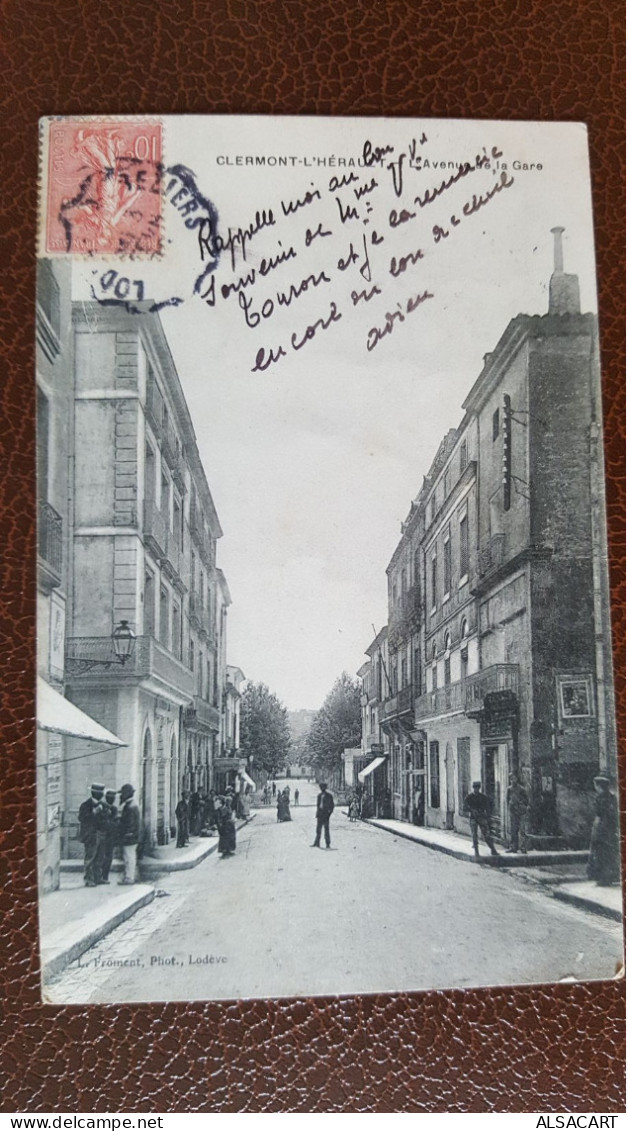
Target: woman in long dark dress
(283, 806)
(225, 819)
(603, 866)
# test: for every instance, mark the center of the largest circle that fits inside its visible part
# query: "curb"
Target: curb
(503, 860)
(52, 967)
(588, 905)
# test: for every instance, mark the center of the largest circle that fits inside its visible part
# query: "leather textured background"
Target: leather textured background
(535, 1049)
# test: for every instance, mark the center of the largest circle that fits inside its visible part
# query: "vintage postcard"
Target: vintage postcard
(324, 666)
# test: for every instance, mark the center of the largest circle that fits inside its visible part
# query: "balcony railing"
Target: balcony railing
(201, 714)
(155, 526)
(499, 677)
(468, 694)
(50, 534)
(397, 705)
(86, 655)
(443, 701)
(492, 556)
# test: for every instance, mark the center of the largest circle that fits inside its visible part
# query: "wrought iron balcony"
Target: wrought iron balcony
(397, 706)
(200, 715)
(443, 701)
(468, 695)
(493, 555)
(90, 656)
(50, 543)
(497, 678)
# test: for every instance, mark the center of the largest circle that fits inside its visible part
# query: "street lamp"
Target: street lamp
(123, 639)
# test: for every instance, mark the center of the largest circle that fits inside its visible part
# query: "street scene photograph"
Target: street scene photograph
(325, 674)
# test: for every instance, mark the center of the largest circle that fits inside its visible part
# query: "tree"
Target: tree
(264, 730)
(336, 726)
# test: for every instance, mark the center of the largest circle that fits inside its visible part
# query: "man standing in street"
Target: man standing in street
(517, 800)
(478, 807)
(92, 817)
(324, 810)
(182, 814)
(129, 833)
(111, 833)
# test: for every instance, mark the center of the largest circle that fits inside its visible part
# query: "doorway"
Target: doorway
(449, 787)
(495, 774)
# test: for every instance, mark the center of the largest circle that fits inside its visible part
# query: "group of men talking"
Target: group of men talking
(105, 826)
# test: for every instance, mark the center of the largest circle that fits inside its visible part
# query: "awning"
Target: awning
(58, 715)
(369, 769)
(249, 781)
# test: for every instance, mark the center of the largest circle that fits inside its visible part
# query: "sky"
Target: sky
(313, 459)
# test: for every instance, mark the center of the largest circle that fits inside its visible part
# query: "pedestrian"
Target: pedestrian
(226, 827)
(517, 801)
(478, 807)
(419, 805)
(182, 813)
(274, 790)
(129, 828)
(194, 806)
(603, 865)
(93, 819)
(111, 833)
(283, 806)
(354, 808)
(324, 810)
(296, 797)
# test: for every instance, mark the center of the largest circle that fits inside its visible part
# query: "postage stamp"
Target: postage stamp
(103, 191)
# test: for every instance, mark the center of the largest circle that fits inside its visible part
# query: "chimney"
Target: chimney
(564, 290)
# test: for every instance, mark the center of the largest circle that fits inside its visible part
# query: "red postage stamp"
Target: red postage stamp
(103, 191)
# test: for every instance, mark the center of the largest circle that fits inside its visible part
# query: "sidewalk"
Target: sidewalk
(74, 918)
(572, 889)
(455, 844)
(586, 894)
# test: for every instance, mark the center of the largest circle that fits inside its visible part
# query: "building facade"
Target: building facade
(54, 410)
(498, 640)
(143, 555)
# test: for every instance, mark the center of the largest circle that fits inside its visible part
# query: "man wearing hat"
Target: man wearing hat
(478, 807)
(111, 832)
(129, 829)
(92, 816)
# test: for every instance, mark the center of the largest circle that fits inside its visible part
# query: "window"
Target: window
(165, 499)
(464, 663)
(404, 582)
(404, 672)
(447, 567)
(191, 656)
(201, 589)
(149, 474)
(432, 506)
(417, 671)
(446, 484)
(394, 593)
(434, 776)
(164, 611)
(43, 434)
(176, 520)
(496, 424)
(447, 671)
(464, 458)
(434, 584)
(464, 546)
(149, 604)
(434, 676)
(200, 674)
(176, 630)
(417, 566)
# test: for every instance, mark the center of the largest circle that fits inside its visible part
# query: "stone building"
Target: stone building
(143, 558)
(499, 637)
